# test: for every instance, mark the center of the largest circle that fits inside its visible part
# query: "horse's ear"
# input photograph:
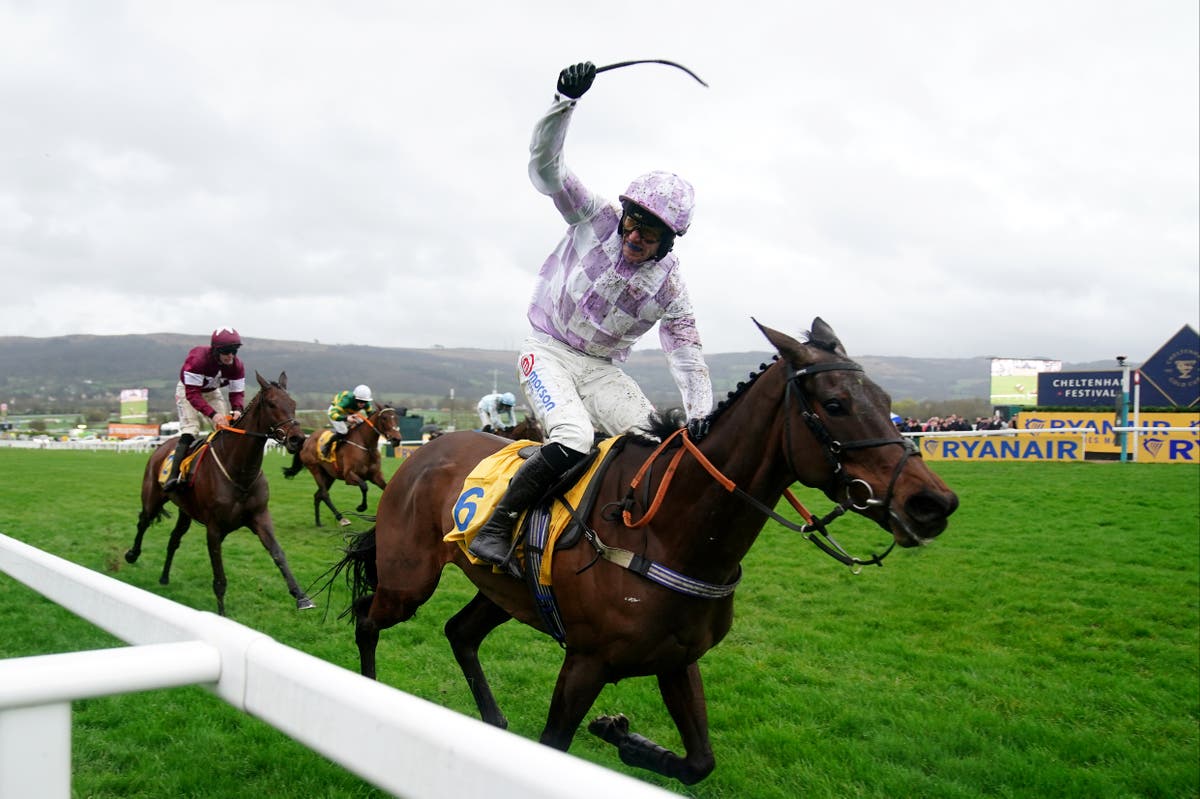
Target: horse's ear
(282, 381)
(784, 344)
(262, 381)
(822, 336)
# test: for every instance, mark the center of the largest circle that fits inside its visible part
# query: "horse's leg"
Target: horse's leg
(683, 692)
(215, 537)
(465, 631)
(389, 606)
(181, 527)
(153, 501)
(263, 527)
(146, 517)
(366, 635)
(324, 481)
(362, 505)
(579, 683)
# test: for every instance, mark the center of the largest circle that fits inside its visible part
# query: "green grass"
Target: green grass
(1047, 645)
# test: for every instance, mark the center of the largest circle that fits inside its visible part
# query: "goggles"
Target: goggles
(650, 233)
(231, 350)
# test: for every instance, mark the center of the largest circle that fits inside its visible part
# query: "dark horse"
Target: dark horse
(811, 416)
(527, 429)
(356, 460)
(227, 489)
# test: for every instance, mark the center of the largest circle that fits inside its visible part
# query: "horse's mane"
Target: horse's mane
(659, 425)
(253, 404)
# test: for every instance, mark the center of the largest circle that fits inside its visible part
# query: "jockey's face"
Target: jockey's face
(226, 355)
(639, 242)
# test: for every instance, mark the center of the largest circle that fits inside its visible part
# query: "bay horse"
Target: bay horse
(811, 416)
(527, 429)
(356, 460)
(227, 489)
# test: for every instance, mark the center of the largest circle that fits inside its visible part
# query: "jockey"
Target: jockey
(610, 279)
(205, 371)
(492, 408)
(348, 410)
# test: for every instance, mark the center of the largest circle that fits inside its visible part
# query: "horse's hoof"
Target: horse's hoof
(610, 728)
(131, 556)
(163, 581)
(343, 522)
(304, 603)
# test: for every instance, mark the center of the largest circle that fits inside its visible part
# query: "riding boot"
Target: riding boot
(537, 474)
(331, 442)
(181, 448)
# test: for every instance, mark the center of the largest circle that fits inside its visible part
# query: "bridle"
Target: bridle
(367, 421)
(833, 449)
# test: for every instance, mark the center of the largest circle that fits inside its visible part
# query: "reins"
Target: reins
(832, 449)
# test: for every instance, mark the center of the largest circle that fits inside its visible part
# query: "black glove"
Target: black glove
(698, 428)
(576, 79)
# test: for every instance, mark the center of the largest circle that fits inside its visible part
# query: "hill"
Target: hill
(71, 373)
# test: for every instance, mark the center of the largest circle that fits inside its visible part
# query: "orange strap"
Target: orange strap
(687, 446)
(803, 511)
(229, 429)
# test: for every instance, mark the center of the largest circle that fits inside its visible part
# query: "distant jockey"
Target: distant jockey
(205, 371)
(348, 410)
(491, 410)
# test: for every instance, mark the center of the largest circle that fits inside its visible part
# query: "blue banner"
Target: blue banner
(1174, 371)
(1081, 389)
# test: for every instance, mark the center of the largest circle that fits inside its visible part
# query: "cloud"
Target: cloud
(935, 181)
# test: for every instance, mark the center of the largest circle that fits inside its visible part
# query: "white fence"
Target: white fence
(404, 745)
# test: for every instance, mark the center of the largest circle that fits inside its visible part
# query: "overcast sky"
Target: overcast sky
(934, 179)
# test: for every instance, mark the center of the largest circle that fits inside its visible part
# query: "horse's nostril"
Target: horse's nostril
(930, 508)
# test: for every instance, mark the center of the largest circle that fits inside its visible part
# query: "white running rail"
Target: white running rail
(404, 745)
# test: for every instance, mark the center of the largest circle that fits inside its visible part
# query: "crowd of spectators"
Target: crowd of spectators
(940, 424)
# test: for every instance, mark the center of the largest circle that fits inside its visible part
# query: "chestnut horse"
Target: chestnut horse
(811, 416)
(356, 460)
(226, 489)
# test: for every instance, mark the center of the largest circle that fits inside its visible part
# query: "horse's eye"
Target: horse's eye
(834, 407)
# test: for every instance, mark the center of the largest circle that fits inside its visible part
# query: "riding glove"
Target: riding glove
(576, 79)
(698, 428)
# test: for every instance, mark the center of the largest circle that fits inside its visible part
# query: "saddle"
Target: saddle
(564, 505)
(321, 439)
(191, 459)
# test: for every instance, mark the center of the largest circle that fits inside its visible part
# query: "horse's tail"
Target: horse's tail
(360, 557)
(291, 471)
(359, 566)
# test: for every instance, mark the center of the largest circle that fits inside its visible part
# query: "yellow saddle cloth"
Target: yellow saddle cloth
(185, 468)
(486, 484)
(321, 439)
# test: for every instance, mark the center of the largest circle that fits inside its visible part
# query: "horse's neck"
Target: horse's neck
(745, 445)
(746, 440)
(369, 435)
(241, 454)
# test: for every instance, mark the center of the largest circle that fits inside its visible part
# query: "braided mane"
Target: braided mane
(662, 423)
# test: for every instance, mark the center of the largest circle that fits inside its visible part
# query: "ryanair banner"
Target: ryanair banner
(1029, 447)
(1160, 445)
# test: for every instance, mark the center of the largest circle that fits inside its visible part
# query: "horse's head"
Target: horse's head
(834, 409)
(387, 423)
(278, 412)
